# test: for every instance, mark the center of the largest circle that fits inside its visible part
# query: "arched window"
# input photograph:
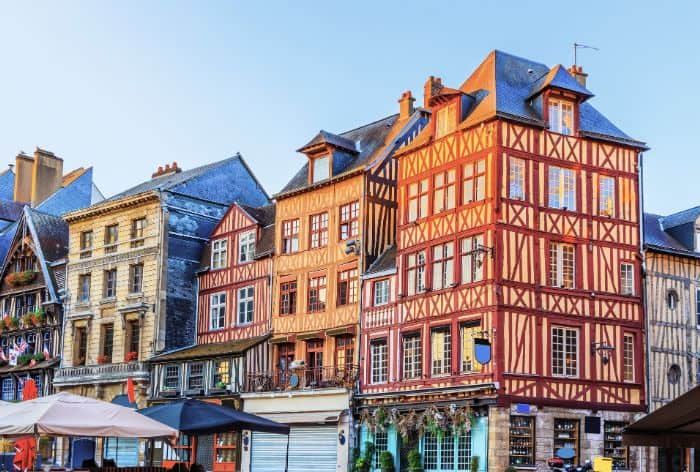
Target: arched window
(672, 299)
(674, 374)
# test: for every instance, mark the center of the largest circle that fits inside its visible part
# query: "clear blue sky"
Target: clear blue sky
(128, 85)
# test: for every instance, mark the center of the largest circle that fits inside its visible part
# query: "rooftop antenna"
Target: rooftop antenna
(578, 46)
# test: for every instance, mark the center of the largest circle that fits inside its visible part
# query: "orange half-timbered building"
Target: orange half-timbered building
(518, 235)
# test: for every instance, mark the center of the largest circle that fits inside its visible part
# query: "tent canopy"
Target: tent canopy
(196, 417)
(65, 414)
(676, 424)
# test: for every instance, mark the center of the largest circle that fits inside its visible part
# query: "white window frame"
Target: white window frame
(627, 278)
(628, 356)
(697, 305)
(446, 120)
(516, 178)
(318, 164)
(443, 265)
(216, 308)
(561, 111)
(191, 375)
(565, 351)
(697, 239)
(606, 196)
(561, 188)
(379, 371)
(164, 385)
(219, 253)
(471, 259)
(246, 305)
(381, 290)
(246, 247)
(557, 261)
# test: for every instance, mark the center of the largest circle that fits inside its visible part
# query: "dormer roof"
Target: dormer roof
(326, 138)
(559, 77)
(444, 95)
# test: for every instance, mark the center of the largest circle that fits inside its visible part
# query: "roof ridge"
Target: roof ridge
(367, 125)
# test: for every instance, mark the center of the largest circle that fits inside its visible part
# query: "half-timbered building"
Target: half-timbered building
(517, 300)
(333, 219)
(233, 326)
(672, 284)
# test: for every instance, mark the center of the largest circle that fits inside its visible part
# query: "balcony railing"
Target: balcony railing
(101, 373)
(384, 315)
(302, 379)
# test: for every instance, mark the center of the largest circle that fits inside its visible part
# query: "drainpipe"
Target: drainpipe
(647, 346)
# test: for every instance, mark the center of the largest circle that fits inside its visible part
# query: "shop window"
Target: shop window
(522, 441)
(612, 444)
(566, 434)
(381, 444)
(449, 452)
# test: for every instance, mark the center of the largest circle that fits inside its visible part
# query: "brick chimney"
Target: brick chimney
(430, 89)
(579, 74)
(47, 176)
(24, 168)
(167, 170)
(406, 105)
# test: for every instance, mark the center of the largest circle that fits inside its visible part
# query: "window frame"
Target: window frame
(318, 230)
(314, 167)
(138, 232)
(565, 351)
(416, 283)
(317, 284)
(558, 125)
(247, 302)
(290, 236)
(444, 190)
(246, 246)
(111, 238)
(627, 279)
(446, 120)
(347, 278)
(107, 340)
(385, 292)
(469, 258)
(87, 243)
(606, 193)
(443, 266)
(445, 368)
(109, 290)
(218, 306)
(562, 196)
(418, 198)
(379, 362)
(468, 364)
(628, 357)
(517, 178)
(349, 220)
(474, 181)
(83, 290)
(556, 270)
(136, 275)
(288, 297)
(166, 377)
(219, 253)
(412, 356)
(200, 375)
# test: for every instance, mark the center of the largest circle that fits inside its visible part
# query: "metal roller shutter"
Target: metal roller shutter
(311, 448)
(267, 452)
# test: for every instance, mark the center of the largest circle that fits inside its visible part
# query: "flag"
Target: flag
(47, 355)
(23, 346)
(130, 390)
(14, 354)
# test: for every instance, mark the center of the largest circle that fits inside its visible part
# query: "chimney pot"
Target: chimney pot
(430, 89)
(579, 74)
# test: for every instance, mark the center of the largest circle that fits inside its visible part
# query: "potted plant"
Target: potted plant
(104, 359)
(11, 322)
(27, 320)
(474, 466)
(364, 462)
(24, 359)
(20, 278)
(415, 462)
(131, 356)
(38, 317)
(39, 357)
(386, 461)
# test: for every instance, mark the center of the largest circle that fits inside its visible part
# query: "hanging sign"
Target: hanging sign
(482, 350)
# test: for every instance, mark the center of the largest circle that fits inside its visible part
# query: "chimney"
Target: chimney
(24, 168)
(167, 170)
(579, 74)
(406, 105)
(47, 175)
(430, 89)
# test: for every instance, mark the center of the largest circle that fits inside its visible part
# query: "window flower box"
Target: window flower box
(131, 356)
(24, 359)
(11, 322)
(38, 317)
(104, 359)
(20, 278)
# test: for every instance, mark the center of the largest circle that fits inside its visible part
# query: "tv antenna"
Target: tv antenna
(578, 46)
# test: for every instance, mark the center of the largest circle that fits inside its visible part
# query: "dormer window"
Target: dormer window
(697, 239)
(561, 116)
(321, 169)
(446, 121)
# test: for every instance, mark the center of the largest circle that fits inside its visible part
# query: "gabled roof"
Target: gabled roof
(682, 217)
(51, 233)
(324, 137)
(11, 210)
(657, 238)
(560, 78)
(369, 140)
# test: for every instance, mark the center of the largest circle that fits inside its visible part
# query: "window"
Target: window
(467, 334)
(314, 362)
(347, 287)
(321, 169)
(107, 341)
(137, 232)
(415, 272)
(474, 181)
(628, 357)
(246, 247)
(110, 283)
(606, 196)
(472, 259)
(8, 389)
(219, 253)
(344, 351)
(85, 244)
(381, 444)
(136, 278)
(285, 357)
(318, 235)
(561, 265)
(217, 311)
(83, 288)
(564, 352)
(562, 188)
(672, 299)
(446, 120)
(288, 297)
(381, 293)
(290, 236)
(171, 377)
(697, 306)
(195, 377)
(441, 348)
(443, 266)
(379, 361)
(674, 374)
(111, 237)
(412, 356)
(522, 441)
(80, 345)
(516, 178)
(222, 372)
(245, 305)
(418, 200)
(448, 452)
(561, 116)
(133, 335)
(444, 190)
(349, 222)
(627, 278)
(317, 294)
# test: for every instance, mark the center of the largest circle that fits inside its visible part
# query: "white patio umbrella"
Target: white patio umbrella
(65, 414)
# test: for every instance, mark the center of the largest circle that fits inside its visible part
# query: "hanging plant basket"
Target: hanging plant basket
(20, 278)
(38, 317)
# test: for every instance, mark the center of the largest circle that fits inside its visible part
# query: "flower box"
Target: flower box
(104, 359)
(20, 278)
(131, 356)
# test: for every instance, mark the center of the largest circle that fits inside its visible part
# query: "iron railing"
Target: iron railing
(302, 379)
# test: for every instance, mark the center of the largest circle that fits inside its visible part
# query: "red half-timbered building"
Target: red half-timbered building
(518, 229)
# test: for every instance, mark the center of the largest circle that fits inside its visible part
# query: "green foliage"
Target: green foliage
(386, 461)
(364, 462)
(510, 468)
(24, 359)
(39, 357)
(415, 462)
(474, 466)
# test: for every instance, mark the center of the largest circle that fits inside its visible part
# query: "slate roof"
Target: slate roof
(52, 232)
(210, 350)
(266, 243)
(367, 139)
(264, 215)
(324, 137)
(7, 184)
(559, 77)
(54, 361)
(385, 262)
(655, 236)
(76, 193)
(11, 210)
(503, 84)
(682, 217)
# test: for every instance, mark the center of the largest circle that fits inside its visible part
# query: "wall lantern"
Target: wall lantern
(604, 350)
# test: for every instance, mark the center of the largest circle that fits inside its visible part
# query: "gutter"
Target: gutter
(647, 366)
